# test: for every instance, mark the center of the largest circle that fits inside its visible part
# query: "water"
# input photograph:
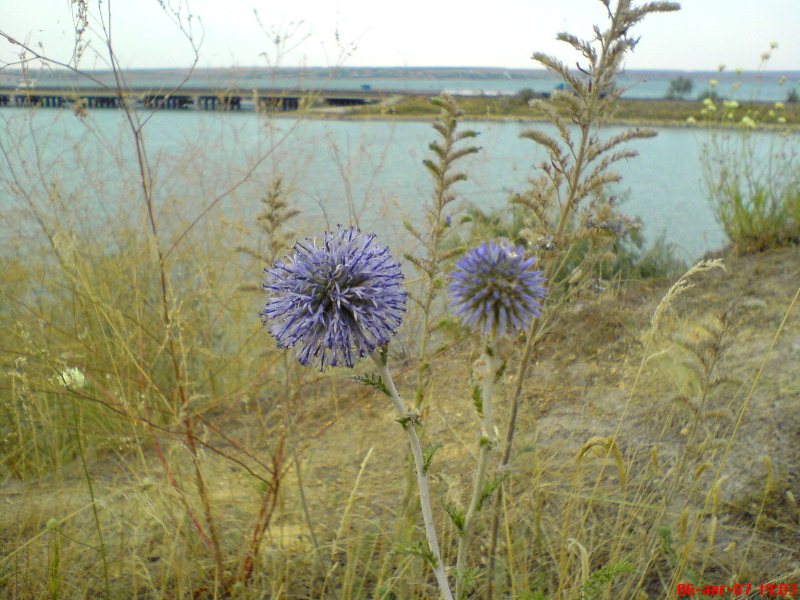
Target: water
(370, 173)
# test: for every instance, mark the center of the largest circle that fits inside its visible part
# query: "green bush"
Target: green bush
(753, 184)
(752, 178)
(679, 88)
(760, 216)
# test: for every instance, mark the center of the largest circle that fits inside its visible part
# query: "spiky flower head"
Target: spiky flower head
(495, 290)
(335, 301)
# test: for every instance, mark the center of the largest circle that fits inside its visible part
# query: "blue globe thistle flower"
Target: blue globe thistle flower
(336, 301)
(494, 289)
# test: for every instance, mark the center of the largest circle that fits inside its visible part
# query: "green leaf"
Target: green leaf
(469, 577)
(468, 133)
(422, 552)
(500, 371)
(457, 516)
(604, 576)
(477, 398)
(490, 487)
(427, 455)
(438, 150)
(372, 380)
(666, 541)
(432, 167)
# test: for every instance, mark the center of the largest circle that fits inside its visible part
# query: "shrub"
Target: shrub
(758, 211)
(679, 88)
(752, 178)
(753, 182)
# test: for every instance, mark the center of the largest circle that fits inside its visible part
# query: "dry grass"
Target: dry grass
(712, 500)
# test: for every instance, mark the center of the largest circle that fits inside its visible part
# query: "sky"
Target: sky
(500, 33)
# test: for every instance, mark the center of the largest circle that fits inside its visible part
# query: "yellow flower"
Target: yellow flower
(748, 122)
(781, 120)
(779, 106)
(732, 104)
(713, 83)
(773, 45)
(690, 120)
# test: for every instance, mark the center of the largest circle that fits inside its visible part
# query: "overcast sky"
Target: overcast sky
(496, 33)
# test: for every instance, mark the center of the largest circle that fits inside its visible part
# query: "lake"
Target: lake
(337, 171)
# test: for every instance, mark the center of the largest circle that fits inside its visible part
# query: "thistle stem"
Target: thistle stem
(407, 420)
(488, 440)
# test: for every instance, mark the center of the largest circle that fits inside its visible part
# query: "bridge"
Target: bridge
(185, 98)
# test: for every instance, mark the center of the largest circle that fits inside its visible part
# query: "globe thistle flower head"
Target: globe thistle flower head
(495, 290)
(336, 301)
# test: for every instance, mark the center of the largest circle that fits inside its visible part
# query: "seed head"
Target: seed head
(336, 301)
(494, 289)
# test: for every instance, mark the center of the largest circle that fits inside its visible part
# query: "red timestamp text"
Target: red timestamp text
(764, 590)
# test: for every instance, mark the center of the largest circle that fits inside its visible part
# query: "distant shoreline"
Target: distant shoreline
(367, 104)
(673, 124)
(633, 113)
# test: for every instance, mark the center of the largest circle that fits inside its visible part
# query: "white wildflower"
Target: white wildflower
(72, 378)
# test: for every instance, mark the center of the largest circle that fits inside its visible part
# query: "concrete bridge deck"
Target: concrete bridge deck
(185, 98)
